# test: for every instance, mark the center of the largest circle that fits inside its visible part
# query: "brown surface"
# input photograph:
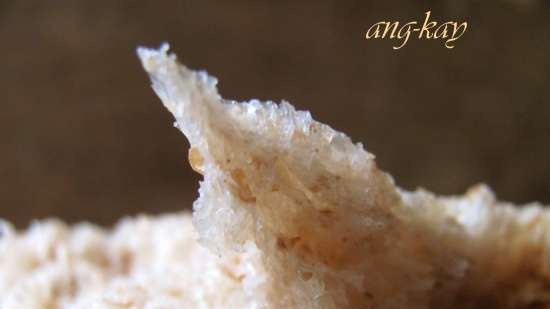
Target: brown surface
(84, 137)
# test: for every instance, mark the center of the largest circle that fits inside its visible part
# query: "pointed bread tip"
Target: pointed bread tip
(150, 57)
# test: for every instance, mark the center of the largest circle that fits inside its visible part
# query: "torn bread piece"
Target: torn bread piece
(294, 215)
(143, 263)
(326, 228)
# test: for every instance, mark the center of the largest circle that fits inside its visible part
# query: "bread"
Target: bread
(292, 214)
(145, 262)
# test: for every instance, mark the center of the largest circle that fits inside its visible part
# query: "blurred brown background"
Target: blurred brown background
(83, 137)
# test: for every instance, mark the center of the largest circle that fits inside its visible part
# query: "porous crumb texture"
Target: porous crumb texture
(144, 262)
(331, 229)
(291, 214)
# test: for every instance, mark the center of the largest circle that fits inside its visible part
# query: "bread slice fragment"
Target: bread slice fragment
(144, 262)
(326, 228)
(291, 214)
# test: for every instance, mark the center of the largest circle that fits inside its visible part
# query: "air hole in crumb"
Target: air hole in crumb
(326, 212)
(281, 244)
(306, 275)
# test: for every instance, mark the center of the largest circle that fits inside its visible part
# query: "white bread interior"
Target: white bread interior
(292, 214)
